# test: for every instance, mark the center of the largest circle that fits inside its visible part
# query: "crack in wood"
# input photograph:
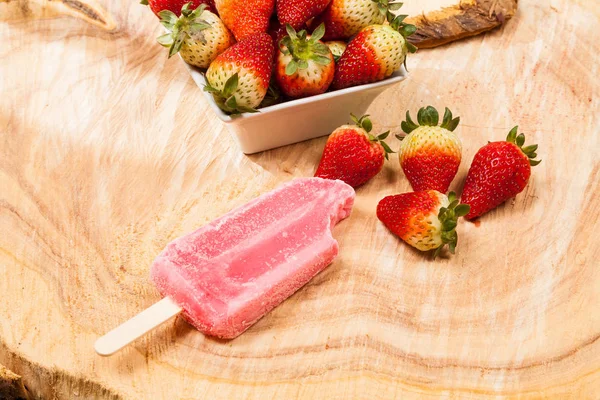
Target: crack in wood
(84, 9)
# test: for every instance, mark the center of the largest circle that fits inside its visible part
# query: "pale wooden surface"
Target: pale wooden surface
(108, 151)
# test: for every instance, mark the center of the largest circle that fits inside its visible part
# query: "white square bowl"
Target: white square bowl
(298, 120)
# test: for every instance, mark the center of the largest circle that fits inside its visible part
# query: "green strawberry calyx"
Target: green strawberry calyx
(448, 217)
(386, 6)
(273, 95)
(365, 123)
(180, 29)
(518, 139)
(303, 48)
(397, 22)
(428, 116)
(226, 99)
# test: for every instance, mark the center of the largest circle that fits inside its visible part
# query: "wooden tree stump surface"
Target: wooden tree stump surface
(108, 151)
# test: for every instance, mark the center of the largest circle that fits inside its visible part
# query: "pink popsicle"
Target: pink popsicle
(229, 273)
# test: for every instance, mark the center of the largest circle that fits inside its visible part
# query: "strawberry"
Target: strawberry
(337, 48)
(352, 154)
(175, 5)
(425, 220)
(277, 32)
(298, 12)
(246, 17)
(199, 35)
(500, 170)
(239, 77)
(374, 54)
(430, 154)
(305, 65)
(345, 18)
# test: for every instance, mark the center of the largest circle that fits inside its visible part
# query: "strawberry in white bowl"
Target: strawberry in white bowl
(305, 87)
(199, 36)
(305, 65)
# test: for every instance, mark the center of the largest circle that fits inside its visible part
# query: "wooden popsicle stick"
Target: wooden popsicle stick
(136, 327)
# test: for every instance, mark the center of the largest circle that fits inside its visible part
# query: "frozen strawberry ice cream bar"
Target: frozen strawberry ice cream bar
(229, 273)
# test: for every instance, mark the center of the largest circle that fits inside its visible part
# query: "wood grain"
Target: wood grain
(87, 10)
(108, 151)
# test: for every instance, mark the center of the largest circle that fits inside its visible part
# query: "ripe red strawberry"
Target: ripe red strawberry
(199, 35)
(345, 18)
(277, 32)
(175, 5)
(374, 54)
(246, 17)
(298, 12)
(305, 65)
(426, 219)
(430, 154)
(500, 170)
(239, 77)
(352, 154)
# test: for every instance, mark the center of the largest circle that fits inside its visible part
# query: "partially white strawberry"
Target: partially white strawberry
(374, 54)
(199, 36)
(305, 65)
(345, 18)
(239, 77)
(430, 154)
(337, 48)
(426, 220)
